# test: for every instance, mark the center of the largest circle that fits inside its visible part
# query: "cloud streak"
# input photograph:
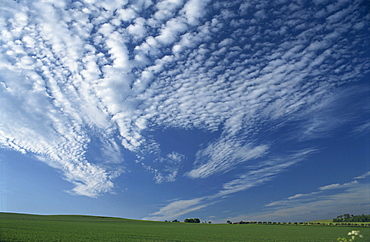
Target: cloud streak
(255, 176)
(177, 208)
(323, 203)
(223, 156)
(352, 200)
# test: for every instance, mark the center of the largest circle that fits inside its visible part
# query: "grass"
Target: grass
(322, 221)
(23, 227)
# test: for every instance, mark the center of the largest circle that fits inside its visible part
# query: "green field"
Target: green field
(22, 227)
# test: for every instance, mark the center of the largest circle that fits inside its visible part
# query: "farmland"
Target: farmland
(23, 227)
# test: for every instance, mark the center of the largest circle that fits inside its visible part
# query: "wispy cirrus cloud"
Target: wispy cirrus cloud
(74, 71)
(366, 174)
(223, 156)
(177, 208)
(264, 172)
(327, 202)
(337, 185)
(363, 128)
(255, 176)
(311, 196)
(326, 206)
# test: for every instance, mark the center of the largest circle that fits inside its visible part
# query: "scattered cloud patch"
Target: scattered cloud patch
(165, 169)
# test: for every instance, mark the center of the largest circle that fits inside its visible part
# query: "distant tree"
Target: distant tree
(229, 222)
(352, 218)
(346, 216)
(192, 220)
(209, 222)
(175, 221)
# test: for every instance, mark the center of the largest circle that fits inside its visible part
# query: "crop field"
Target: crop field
(22, 227)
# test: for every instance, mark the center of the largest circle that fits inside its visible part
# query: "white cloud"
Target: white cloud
(312, 196)
(127, 14)
(225, 42)
(43, 113)
(138, 29)
(166, 168)
(173, 29)
(172, 163)
(366, 174)
(264, 172)
(194, 10)
(332, 186)
(92, 68)
(167, 9)
(296, 196)
(222, 156)
(362, 129)
(256, 176)
(350, 197)
(353, 200)
(177, 208)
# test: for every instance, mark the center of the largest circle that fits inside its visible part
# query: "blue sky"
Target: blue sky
(162, 110)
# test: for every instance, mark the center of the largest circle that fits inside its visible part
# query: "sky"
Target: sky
(248, 110)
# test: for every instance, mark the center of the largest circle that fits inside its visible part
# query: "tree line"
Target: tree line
(188, 220)
(351, 224)
(192, 220)
(352, 218)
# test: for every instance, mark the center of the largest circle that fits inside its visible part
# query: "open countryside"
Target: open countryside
(25, 227)
(170, 109)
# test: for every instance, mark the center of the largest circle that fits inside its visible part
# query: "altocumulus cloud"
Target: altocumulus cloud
(74, 71)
